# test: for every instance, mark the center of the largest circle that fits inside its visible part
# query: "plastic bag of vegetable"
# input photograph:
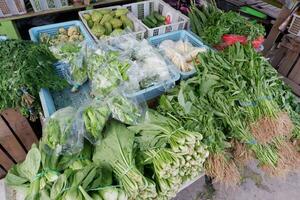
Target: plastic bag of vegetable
(150, 67)
(74, 55)
(61, 133)
(94, 116)
(126, 110)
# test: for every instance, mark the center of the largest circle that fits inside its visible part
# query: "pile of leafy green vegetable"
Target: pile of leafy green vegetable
(211, 24)
(236, 95)
(26, 67)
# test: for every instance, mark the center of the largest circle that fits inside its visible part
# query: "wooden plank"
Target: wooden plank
(2, 175)
(64, 9)
(10, 143)
(287, 62)
(5, 161)
(274, 33)
(21, 127)
(276, 56)
(295, 87)
(295, 73)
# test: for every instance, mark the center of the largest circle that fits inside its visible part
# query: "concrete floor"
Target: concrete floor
(256, 185)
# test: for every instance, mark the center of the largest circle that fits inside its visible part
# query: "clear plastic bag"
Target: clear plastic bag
(181, 53)
(94, 116)
(74, 55)
(62, 134)
(126, 110)
(105, 81)
(149, 67)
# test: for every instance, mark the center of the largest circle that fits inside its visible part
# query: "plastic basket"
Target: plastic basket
(138, 26)
(175, 36)
(40, 5)
(12, 7)
(295, 25)
(52, 101)
(53, 29)
(144, 8)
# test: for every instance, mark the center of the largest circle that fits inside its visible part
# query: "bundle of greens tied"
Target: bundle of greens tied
(210, 23)
(26, 67)
(174, 154)
(233, 101)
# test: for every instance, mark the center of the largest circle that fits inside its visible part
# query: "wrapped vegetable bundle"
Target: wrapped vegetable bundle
(61, 133)
(125, 110)
(116, 151)
(74, 54)
(181, 53)
(95, 116)
(150, 69)
(107, 72)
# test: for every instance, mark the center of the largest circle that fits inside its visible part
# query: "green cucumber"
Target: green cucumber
(148, 23)
(152, 19)
(159, 17)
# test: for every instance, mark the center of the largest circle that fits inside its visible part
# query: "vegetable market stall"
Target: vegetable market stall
(232, 107)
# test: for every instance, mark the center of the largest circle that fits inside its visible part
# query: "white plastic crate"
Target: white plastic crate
(40, 5)
(295, 25)
(145, 8)
(139, 29)
(12, 7)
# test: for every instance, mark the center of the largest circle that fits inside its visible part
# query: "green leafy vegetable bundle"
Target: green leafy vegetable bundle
(211, 24)
(116, 151)
(26, 67)
(177, 155)
(234, 96)
(72, 177)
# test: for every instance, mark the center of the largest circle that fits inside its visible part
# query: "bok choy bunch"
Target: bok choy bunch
(116, 151)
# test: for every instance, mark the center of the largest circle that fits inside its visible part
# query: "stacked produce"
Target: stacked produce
(221, 29)
(26, 67)
(71, 34)
(155, 20)
(116, 168)
(106, 22)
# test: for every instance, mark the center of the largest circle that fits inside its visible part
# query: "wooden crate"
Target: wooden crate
(16, 138)
(285, 58)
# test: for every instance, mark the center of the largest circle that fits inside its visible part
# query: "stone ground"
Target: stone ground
(256, 185)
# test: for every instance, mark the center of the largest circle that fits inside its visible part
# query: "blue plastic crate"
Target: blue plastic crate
(52, 101)
(156, 90)
(175, 36)
(52, 29)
